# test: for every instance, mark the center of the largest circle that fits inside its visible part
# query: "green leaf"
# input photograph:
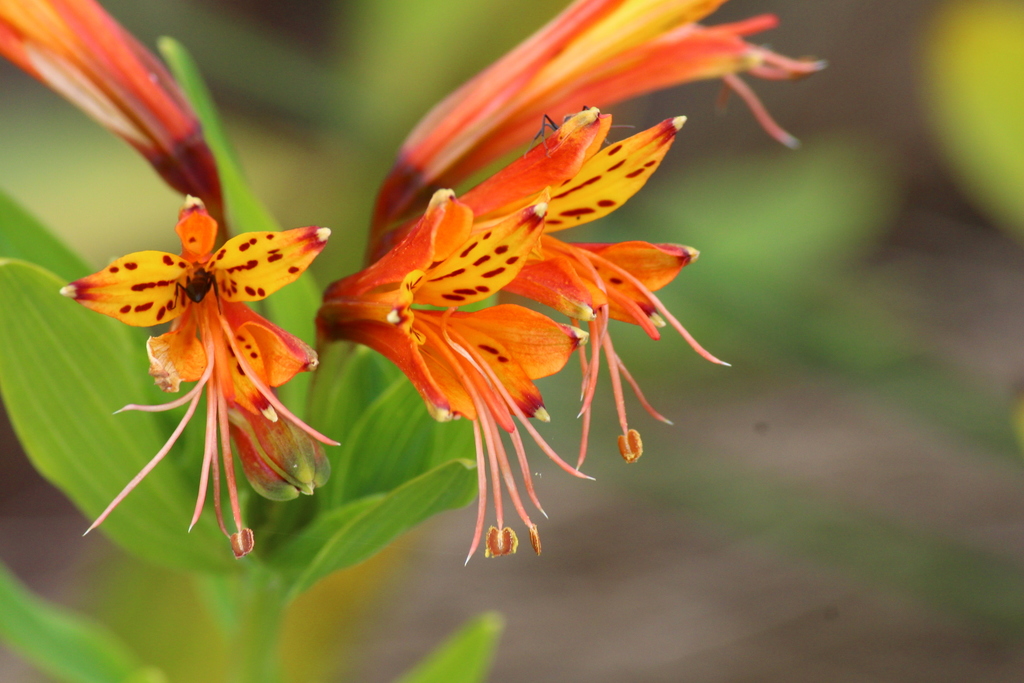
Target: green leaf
(387, 435)
(244, 211)
(463, 658)
(63, 371)
(351, 534)
(23, 237)
(62, 644)
(975, 63)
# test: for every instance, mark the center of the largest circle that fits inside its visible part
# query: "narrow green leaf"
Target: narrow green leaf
(63, 371)
(244, 211)
(23, 237)
(64, 645)
(465, 657)
(353, 533)
(387, 435)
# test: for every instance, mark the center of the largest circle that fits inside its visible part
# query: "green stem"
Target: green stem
(255, 647)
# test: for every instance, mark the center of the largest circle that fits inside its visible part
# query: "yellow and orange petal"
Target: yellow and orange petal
(609, 178)
(177, 356)
(254, 265)
(140, 289)
(274, 354)
(488, 261)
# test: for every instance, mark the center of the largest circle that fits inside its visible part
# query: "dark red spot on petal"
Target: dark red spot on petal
(612, 168)
(250, 291)
(114, 269)
(467, 292)
(252, 241)
(259, 290)
(496, 271)
(482, 289)
(274, 257)
(487, 235)
(220, 254)
(488, 349)
(465, 252)
(502, 359)
(553, 221)
(131, 266)
(243, 247)
(293, 269)
(270, 235)
(160, 314)
(457, 271)
(606, 203)
(576, 212)
(483, 259)
(239, 337)
(511, 259)
(453, 297)
(615, 281)
(168, 259)
(591, 181)
(634, 174)
(181, 264)
(501, 250)
(144, 307)
(650, 163)
(254, 355)
(614, 150)
(191, 240)
(125, 309)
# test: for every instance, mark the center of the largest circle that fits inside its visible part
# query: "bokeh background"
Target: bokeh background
(846, 503)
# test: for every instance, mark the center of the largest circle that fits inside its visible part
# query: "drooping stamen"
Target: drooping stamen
(160, 407)
(656, 302)
(149, 466)
(209, 454)
(266, 392)
(524, 466)
(759, 111)
(228, 459)
(486, 371)
(481, 478)
(640, 395)
(613, 372)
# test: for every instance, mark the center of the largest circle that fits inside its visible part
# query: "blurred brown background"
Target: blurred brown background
(844, 504)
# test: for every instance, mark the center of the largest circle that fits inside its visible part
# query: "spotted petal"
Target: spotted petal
(554, 282)
(275, 355)
(550, 162)
(139, 289)
(490, 259)
(611, 177)
(254, 265)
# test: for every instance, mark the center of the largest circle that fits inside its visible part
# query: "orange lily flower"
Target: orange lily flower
(479, 365)
(220, 343)
(597, 52)
(78, 50)
(593, 282)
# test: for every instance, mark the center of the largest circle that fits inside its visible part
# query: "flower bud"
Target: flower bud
(279, 459)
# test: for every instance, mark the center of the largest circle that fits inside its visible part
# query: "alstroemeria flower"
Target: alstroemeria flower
(220, 343)
(77, 49)
(593, 282)
(479, 365)
(596, 52)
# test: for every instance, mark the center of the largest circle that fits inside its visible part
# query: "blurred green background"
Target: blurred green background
(843, 504)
